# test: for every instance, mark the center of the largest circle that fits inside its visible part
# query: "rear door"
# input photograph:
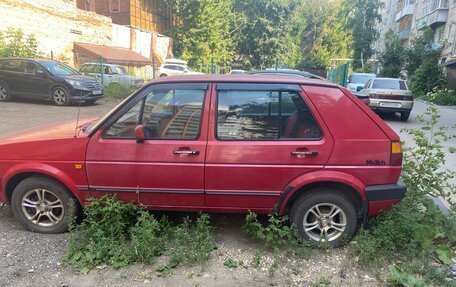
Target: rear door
(261, 137)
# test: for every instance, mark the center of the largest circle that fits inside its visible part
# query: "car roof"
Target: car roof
(389, 79)
(105, 64)
(369, 74)
(243, 78)
(287, 72)
(27, 59)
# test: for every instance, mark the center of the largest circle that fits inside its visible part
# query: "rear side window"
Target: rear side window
(390, 84)
(13, 66)
(264, 115)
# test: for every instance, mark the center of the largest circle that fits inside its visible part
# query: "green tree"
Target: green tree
(14, 43)
(363, 17)
(203, 31)
(325, 36)
(264, 33)
(393, 57)
(423, 64)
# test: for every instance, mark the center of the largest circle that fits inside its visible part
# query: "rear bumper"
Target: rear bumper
(381, 197)
(385, 105)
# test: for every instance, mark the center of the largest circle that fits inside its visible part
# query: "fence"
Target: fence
(339, 74)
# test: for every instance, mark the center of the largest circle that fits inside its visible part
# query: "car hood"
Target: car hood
(80, 78)
(59, 130)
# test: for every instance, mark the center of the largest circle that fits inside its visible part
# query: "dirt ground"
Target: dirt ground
(30, 259)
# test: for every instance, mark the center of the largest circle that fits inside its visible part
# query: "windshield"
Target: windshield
(389, 84)
(121, 70)
(360, 79)
(59, 69)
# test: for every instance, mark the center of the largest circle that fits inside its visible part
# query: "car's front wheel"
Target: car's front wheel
(4, 92)
(325, 216)
(43, 205)
(60, 96)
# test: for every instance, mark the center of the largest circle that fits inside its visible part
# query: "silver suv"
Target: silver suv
(173, 69)
(389, 95)
(112, 75)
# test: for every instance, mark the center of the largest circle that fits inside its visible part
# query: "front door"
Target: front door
(261, 137)
(167, 168)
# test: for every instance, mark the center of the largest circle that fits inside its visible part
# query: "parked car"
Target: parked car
(356, 81)
(166, 70)
(216, 144)
(237, 72)
(388, 95)
(112, 75)
(45, 80)
(287, 72)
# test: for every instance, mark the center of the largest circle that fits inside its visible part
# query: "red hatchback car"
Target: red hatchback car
(293, 146)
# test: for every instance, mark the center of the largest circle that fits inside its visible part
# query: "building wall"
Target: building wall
(56, 25)
(444, 33)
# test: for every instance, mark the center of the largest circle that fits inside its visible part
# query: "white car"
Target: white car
(112, 75)
(166, 70)
(356, 81)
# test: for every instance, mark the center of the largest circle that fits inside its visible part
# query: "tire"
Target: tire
(321, 229)
(5, 95)
(51, 215)
(163, 75)
(405, 116)
(60, 96)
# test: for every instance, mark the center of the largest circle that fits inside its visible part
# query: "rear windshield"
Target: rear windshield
(390, 84)
(360, 79)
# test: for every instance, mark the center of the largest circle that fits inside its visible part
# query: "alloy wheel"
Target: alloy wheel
(324, 222)
(42, 207)
(3, 93)
(60, 97)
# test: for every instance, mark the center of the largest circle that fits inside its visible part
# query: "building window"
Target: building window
(114, 6)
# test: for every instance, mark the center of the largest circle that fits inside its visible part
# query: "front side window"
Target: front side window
(170, 114)
(264, 115)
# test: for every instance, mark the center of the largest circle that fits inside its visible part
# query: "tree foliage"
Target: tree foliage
(14, 43)
(325, 36)
(393, 57)
(264, 32)
(363, 17)
(203, 31)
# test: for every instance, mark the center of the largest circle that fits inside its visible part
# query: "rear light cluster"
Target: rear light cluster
(396, 153)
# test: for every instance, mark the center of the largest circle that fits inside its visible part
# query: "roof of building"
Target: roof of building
(113, 55)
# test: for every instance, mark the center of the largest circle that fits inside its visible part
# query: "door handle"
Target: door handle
(186, 152)
(306, 152)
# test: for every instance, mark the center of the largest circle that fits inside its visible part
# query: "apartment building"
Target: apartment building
(411, 16)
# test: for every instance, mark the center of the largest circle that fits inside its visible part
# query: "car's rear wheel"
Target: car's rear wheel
(4, 92)
(405, 116)
(60, 96)
(43, 205)
(325, 216)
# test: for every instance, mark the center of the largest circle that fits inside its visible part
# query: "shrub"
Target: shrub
(442, 97)
(117, 91)
(13, 43)
(118, 234)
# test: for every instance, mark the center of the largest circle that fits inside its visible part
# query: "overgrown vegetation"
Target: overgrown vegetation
(277, 234)
(14, 43)
(443, 97)
(118, 234)
(416, 232)
(117, 91)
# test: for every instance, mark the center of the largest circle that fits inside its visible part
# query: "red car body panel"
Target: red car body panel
(225, 176)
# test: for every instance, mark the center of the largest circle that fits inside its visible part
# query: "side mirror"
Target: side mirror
(359, 88)
(40, 73)
(139, 134)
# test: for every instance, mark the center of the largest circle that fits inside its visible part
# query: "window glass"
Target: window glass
(59, 69)
(255, 115)
(391, 84)
(362, 79)
(30, 68)
(172, 114)
(14, 66)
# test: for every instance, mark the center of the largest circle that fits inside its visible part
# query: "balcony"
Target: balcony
(404, 34)
(406, 11)
(437, 17)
